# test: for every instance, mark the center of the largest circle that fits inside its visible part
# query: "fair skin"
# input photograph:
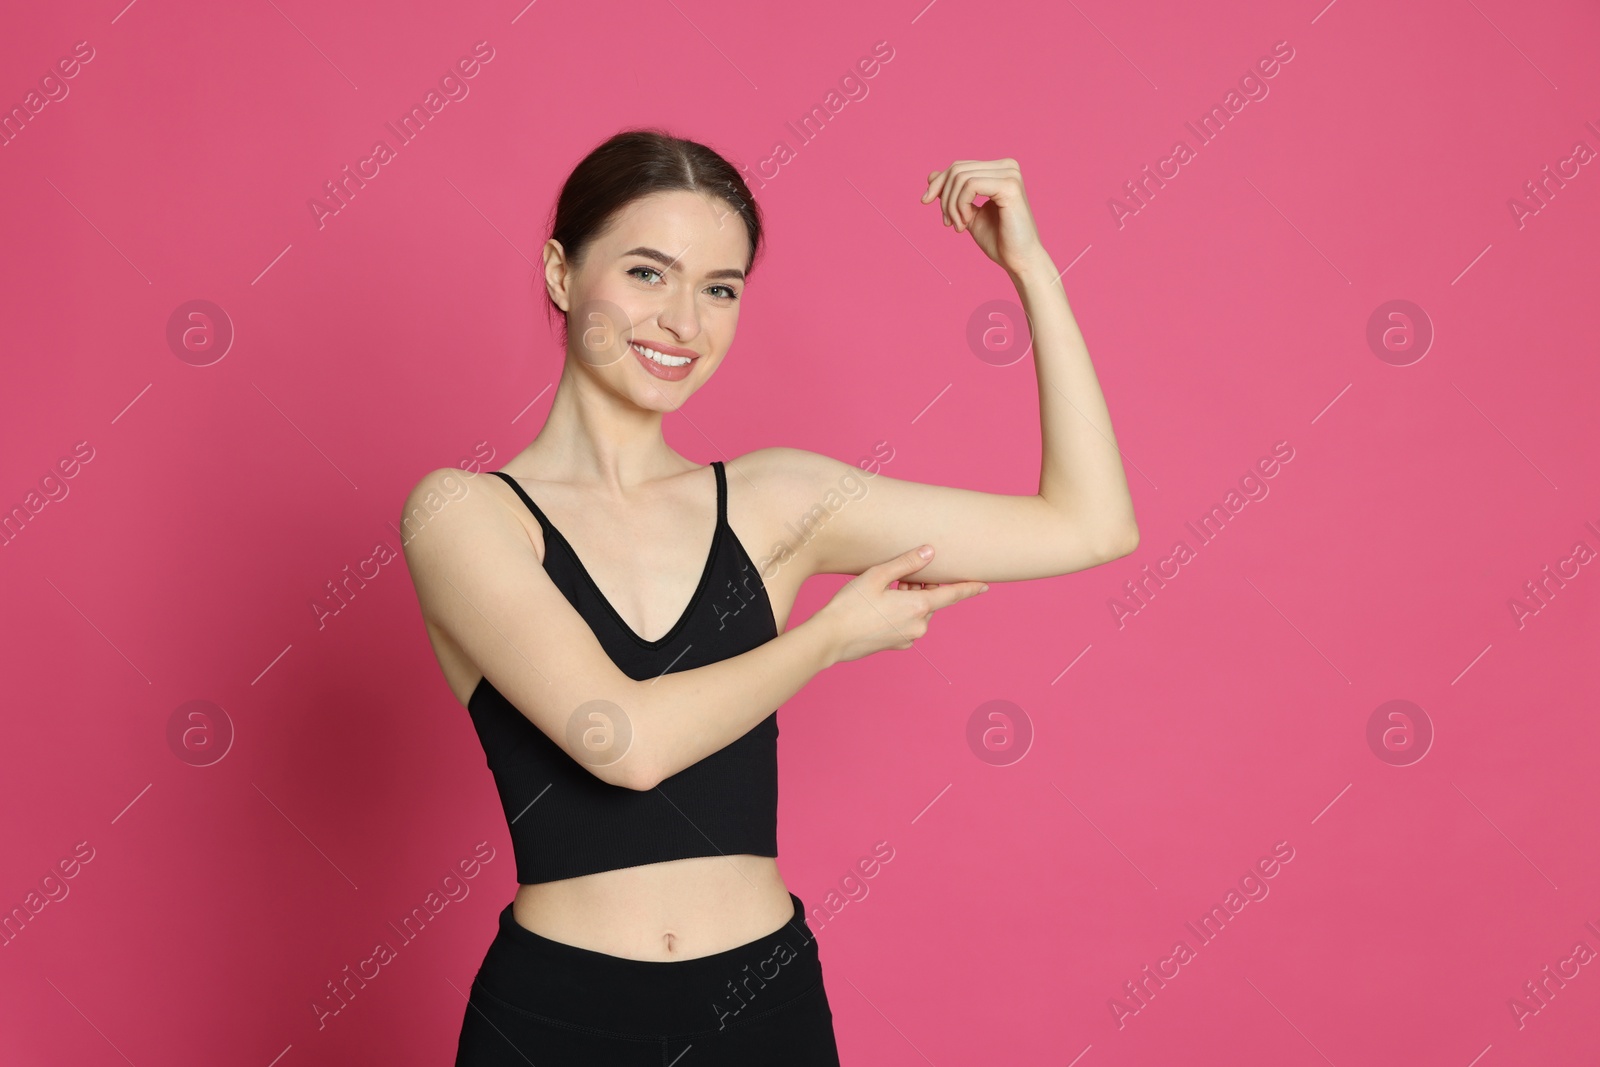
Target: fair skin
(640, 517)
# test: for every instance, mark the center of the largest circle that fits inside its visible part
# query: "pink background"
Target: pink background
(1228, 314)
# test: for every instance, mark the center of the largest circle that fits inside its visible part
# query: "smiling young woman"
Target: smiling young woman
(577, 606)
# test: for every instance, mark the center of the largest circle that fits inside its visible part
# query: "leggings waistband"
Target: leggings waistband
(583, 987)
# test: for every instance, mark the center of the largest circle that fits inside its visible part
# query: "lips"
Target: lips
(667, 350)
(661, 370)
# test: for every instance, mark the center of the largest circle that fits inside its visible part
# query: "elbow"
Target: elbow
(640, 782)
(1124, 544)
(632, 771)
(611, 747)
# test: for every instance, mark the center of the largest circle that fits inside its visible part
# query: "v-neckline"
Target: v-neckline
(616, 616)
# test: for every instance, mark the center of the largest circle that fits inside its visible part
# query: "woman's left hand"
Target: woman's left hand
(1003, 227)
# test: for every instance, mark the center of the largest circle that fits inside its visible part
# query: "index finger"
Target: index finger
(951, 592)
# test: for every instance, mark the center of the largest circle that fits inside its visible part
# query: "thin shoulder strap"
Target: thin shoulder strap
(526, 499)
(722, 494)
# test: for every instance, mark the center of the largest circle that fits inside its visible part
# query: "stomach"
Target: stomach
(661, 912)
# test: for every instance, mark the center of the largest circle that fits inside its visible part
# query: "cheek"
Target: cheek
(609, 311)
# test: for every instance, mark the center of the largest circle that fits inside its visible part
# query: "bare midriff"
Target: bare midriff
(676, 910)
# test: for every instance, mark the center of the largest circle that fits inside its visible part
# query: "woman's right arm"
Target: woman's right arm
(479, 580)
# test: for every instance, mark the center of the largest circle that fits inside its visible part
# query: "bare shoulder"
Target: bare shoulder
(784, 480)
(795, 492)
(780, 469)
(450, 508)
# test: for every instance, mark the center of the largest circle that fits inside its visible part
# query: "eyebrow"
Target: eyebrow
(670, 263)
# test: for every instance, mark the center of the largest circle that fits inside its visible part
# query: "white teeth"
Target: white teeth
(663, 359)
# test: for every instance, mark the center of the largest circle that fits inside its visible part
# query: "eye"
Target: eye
(728, 291)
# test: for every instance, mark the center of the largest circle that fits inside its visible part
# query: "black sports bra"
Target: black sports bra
(565, 821)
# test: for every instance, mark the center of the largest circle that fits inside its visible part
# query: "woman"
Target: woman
(624, 677)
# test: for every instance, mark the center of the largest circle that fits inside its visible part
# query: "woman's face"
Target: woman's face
(668, 275)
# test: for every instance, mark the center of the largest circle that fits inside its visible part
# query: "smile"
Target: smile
(662, 358)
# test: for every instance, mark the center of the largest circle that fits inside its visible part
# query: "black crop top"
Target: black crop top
(565, 821)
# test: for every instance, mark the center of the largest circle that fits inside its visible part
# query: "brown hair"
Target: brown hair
(635, 163)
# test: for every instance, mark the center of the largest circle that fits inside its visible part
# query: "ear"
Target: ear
(555, 273)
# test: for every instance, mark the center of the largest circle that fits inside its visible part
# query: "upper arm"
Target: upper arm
(842, 520)
(479, 579)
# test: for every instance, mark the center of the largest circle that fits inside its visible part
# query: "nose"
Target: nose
(680, 316)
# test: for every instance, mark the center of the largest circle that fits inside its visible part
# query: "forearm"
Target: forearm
(680, 718)
(1080, 471)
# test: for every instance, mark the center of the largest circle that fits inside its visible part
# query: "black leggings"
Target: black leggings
(552, 1004)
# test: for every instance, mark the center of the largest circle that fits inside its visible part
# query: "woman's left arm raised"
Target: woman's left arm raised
(1082, 515)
